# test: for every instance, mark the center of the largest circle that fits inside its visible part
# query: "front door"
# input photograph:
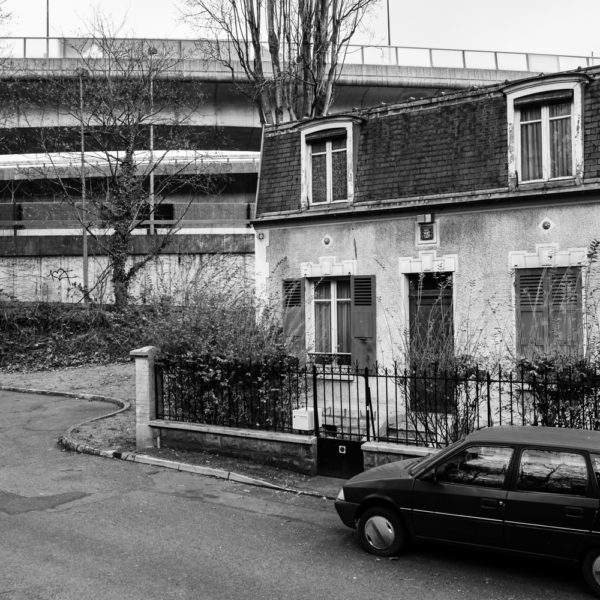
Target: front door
(553, 504)
(463, 498)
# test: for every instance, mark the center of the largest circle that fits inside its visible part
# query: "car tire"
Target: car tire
(381, 531)
(591, 570)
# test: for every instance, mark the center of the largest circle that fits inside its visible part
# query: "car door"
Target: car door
(461, 499)
(552, 504)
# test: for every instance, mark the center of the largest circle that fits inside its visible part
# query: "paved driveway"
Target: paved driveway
(82, 527)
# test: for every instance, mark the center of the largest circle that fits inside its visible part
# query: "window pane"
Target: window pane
(338, 143)
(560, 148)
(319, 179)
(531, 151)
(553, 472)
(532, 113)
(560, 110)
(318, 147)
(343, 326)
(322, 327)
(484, 466)
(343, 288)
(339, 176)
(323, 290)
(596, 466)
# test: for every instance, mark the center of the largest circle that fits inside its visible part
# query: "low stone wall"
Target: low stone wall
(286, 450)
(380, 453)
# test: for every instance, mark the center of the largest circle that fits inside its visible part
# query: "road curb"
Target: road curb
(68, 443)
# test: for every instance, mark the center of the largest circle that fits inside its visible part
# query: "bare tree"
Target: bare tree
(136, 147)
(293, 74)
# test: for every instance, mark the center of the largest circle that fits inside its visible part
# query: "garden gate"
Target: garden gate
(342, 423)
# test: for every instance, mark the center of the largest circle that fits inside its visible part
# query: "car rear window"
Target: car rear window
(553, 472)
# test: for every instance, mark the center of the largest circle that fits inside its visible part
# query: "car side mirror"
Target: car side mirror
(430, 476)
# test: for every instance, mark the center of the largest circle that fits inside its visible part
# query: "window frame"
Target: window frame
(518, 91)
(589, 489)
(306, 162)
(332, 301)
(542, 303)
(479, 445)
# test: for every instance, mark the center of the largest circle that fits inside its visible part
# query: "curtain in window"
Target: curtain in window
(339, 170)
(323, 317)
(560, 140)
(531, 144)
(319, 173)
(344, 341)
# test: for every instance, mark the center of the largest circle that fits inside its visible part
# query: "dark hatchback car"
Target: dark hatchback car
(530, 490)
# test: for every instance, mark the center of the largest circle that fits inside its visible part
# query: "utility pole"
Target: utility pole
(81, 72)
(388, 24)
(151, 52)
(47, 28)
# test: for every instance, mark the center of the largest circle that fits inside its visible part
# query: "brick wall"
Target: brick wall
(280, 184)
(591, 130)
(437, 148)
(447, 145)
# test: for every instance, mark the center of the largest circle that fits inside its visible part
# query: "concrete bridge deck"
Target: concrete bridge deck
(365, 65)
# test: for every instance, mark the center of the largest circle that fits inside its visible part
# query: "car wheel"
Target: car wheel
(381, 531)
(591, 570)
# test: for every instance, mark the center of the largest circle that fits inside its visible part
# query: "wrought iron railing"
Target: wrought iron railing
(423, 408)
(363, 54)
(213, 391)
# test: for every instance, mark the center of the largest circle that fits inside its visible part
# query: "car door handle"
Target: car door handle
(491, 503)
(575, 512)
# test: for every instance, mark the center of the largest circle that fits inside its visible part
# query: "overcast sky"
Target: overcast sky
(546, 26)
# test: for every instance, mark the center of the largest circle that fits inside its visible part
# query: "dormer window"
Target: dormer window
(327, 164)
(545, 140)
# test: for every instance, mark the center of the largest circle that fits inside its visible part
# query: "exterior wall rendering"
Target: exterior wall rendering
(464, 252)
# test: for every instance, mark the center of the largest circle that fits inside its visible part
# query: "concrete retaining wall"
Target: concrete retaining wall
(289, 451)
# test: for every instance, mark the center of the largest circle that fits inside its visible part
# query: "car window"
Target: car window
(596, 466)
(484, 466)
(553, 472)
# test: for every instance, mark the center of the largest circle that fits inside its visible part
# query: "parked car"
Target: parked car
(529, 490)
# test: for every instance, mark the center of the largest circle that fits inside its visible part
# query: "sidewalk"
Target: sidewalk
(113, 435)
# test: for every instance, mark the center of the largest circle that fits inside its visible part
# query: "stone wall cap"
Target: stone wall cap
(400, 449)
(292, 438)
(145, 351)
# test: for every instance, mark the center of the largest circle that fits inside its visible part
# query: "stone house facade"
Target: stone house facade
(460, 225)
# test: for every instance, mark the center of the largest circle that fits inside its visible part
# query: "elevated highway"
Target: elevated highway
(371, 74)
(37, 232)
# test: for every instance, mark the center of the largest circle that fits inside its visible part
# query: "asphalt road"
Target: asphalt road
(81, 527)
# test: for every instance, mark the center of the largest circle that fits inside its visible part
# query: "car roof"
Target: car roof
(543, 436)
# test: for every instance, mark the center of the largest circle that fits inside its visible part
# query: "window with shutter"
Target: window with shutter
(293, 316)
(431, 320)
(549, 311)
(344, 321)
(431, 347)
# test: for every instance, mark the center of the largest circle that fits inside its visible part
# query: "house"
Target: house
(460, 225)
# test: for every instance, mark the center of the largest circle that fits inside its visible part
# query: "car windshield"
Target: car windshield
(424, 462)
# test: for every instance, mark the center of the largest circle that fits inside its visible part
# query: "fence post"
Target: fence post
(315, 401)
(369, 406)
(145, 395)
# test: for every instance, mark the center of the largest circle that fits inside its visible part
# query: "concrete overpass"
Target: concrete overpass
(371, 74)
(37, 233)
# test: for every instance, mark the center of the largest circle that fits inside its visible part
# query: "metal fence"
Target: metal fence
(423, 408)
(229, 393)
